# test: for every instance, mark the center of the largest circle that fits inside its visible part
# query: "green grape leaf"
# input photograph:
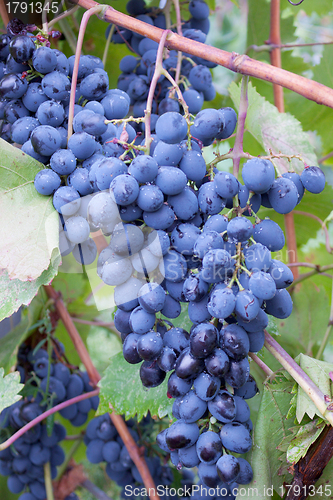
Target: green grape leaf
(14, 292)
(29, 223)
(276, 132)
(10, 387)
(121, 388)
(270, 429)
(306, 435)
(318, 371)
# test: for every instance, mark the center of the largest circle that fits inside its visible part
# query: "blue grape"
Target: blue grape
(239, 229)
(296, 178)
(63, 162)
(187, 365)
(215, 265)
(206, 386)
(94, 451)
(258, 258)
(141, 321)
(111, 451)
(82, 145)
(245, 475)
(185, 204)
(178, 386)
(51, 113)
(151, 374)
(66, 200)
(283, 195)
(79, 180)
(238, 373)
(124, 189)
(269, 234)
(22, 129)
(167, 154)
(183, 238)
(173, 266)
(234, 341)
(242, 410)
(150, 345)
(203, 340)
(195, 288)
(216, 223)
(198, 312)
(208, 475)
(171, 128)
(94, 86)
(262, 285)
(280, 305)
(198, 9)
(181, 435)
(151, 297)
(217, 364)
(229, 121)
(21, 48)
(150, 198)
(236, 438)
(45, 140)
(44, 60)
(15, 110)
(193, 165)
(191, 407)
(46, 182)
(200, 78)
(281, 274)
(247, 305)
(143, 168)
(258, 175)
(313, 179)
(188, 457)
(228, 468)
(13, 86)
(56, 86)
(226, 185)
(90, 122)
(193, 98)
(170, 180)
(221, 303)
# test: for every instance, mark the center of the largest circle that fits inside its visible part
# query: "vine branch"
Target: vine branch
(94, 376)
(243, 64)
(302, 379)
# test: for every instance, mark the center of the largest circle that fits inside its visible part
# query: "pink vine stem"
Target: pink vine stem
(83, 26)
(46, 414)
(238, 147)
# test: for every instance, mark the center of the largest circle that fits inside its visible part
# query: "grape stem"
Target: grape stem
(94, 376)
(243, 64)
(65, 14)
(271, 46)
(302, 379)
(85, 18)
(94, 490)
(48, 481)
(238, 147)
(261, 364)
(180, 33)
(153, 83)
(328, 330)
(248, 156)
(323, 225)
(317, 270)
(44, 415)
(62, 469)
(107, 45)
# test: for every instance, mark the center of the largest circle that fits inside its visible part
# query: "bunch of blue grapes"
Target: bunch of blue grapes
(54, 381)
(137, 70)
(50, 382)
(104, 445)
(23, 462)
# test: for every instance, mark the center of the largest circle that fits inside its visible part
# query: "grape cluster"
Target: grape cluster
(169, 241)
(55, 382)
(51, 382)
(137, 70)
(105, 445)
(23, 462)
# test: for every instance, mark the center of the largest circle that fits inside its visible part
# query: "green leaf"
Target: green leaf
(306, 435)
(29, 223)
(306, 326)
(276, 132)
(121, 387)
(14, 292)
(318, 371)
(15, 337)
(10, 386)
(270, 429)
